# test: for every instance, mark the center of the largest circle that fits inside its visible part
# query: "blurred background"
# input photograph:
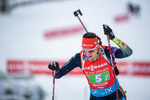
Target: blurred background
(36, 32)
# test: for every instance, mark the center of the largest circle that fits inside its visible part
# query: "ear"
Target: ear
(98, 49)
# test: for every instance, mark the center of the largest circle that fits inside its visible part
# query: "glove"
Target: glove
(116, 70)
(54, 66)
(108, 31)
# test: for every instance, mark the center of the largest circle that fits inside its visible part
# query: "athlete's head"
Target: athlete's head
(90, 44)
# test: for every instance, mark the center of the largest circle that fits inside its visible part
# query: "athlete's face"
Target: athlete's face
(91, 54)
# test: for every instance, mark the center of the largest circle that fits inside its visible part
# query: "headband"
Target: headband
(90, 43)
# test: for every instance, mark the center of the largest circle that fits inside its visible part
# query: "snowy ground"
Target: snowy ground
(76, 87)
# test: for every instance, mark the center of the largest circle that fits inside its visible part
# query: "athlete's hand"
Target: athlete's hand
(54, 66)
(108, 31)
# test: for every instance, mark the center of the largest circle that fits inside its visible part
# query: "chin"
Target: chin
(91, 58)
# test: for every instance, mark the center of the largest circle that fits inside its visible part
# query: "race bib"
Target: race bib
(99, 78)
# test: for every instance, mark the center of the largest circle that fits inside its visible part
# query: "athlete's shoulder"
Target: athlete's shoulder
(76, 59)
(103, 46)
(107, 47)
(77, 56)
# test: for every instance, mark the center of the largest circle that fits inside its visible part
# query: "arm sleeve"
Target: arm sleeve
(69, 66)
(123, 51)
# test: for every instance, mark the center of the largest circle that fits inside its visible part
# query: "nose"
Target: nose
(88, 52)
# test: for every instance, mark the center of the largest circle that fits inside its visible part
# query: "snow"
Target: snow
(22, 37)
(76, 87)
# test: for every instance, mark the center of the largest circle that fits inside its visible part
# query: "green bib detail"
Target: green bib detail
(99, 78)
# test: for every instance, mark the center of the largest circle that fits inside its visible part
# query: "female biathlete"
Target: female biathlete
(94, 60)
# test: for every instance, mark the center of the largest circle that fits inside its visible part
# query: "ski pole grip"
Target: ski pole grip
(77, 12)
(55, 66)
(108, 39)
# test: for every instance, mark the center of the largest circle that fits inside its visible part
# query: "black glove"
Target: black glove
(53, 66)
(108, 31)
(116, 70)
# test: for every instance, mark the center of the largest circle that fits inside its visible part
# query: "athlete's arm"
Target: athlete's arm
(69, 66)
(123, 51)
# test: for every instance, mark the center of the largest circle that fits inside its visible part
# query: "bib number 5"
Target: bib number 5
(99, 78)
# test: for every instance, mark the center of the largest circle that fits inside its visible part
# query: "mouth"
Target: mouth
(89, 57)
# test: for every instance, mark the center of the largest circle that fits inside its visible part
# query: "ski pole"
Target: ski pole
(117, 95)
(76, 14)
(53, 85)
(53, 82)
